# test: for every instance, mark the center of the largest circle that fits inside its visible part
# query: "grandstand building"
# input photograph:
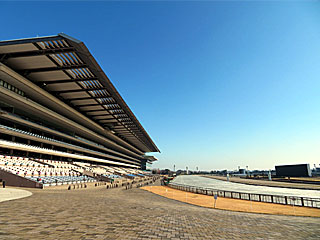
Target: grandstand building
(56, 103)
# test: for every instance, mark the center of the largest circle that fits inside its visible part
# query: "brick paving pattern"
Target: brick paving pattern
(101, 213)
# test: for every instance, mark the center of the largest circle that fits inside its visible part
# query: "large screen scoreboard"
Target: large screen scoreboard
(297, 170)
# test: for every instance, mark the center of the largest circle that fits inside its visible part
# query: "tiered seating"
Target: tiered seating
(45, 171)
(100, 170)
(83, 165)
(139, 173)
(119, 170)
(110, 172)
(22, 166)
(60, 164)
(103, 171)
(59, 180)
(48, 139)
(53, 172)
(132, 173)
(112, 176)
(42, 150)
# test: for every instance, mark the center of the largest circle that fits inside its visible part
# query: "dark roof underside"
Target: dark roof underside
(64, 67)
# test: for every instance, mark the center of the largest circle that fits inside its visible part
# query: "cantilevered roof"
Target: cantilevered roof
(64, 67)
(150, 159)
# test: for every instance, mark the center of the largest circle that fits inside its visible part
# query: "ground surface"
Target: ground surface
(203, 182)
(233, 204)
(268, 183)
(7, 194)
(101, 213)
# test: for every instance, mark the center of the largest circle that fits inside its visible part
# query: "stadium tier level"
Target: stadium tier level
(60, 115)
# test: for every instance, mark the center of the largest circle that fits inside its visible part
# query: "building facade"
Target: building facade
(57, 103)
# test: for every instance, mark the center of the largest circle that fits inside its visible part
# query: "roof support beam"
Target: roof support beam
(97, 104)
(69, 80)
(108, 120)
(95, 110)
(125, 120)
(87, 105)
(86, 98)
(77, 90)
(113, 108)
(127, 135)
(101, 115)
(105, 119)
(122, 132)
(36, 53)
(30, 40)
(49, 69)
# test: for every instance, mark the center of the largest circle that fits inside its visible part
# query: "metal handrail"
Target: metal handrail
(277, 199)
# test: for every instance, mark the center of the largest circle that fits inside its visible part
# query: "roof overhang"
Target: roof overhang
(150, 159)
(64, 67)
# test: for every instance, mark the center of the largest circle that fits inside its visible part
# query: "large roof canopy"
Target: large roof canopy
(64, 67)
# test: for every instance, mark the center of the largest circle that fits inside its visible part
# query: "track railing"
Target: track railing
(278, 199)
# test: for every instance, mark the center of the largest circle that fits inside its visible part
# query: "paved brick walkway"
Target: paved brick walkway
(137, 214)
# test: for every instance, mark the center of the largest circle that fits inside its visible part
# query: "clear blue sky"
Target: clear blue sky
(215, 84)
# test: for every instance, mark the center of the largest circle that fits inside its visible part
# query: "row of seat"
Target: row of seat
(58, 180)
(47, 138)
(37, 167)
(34, 171)
(62, 170)
(20, 162)
(59, 164)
